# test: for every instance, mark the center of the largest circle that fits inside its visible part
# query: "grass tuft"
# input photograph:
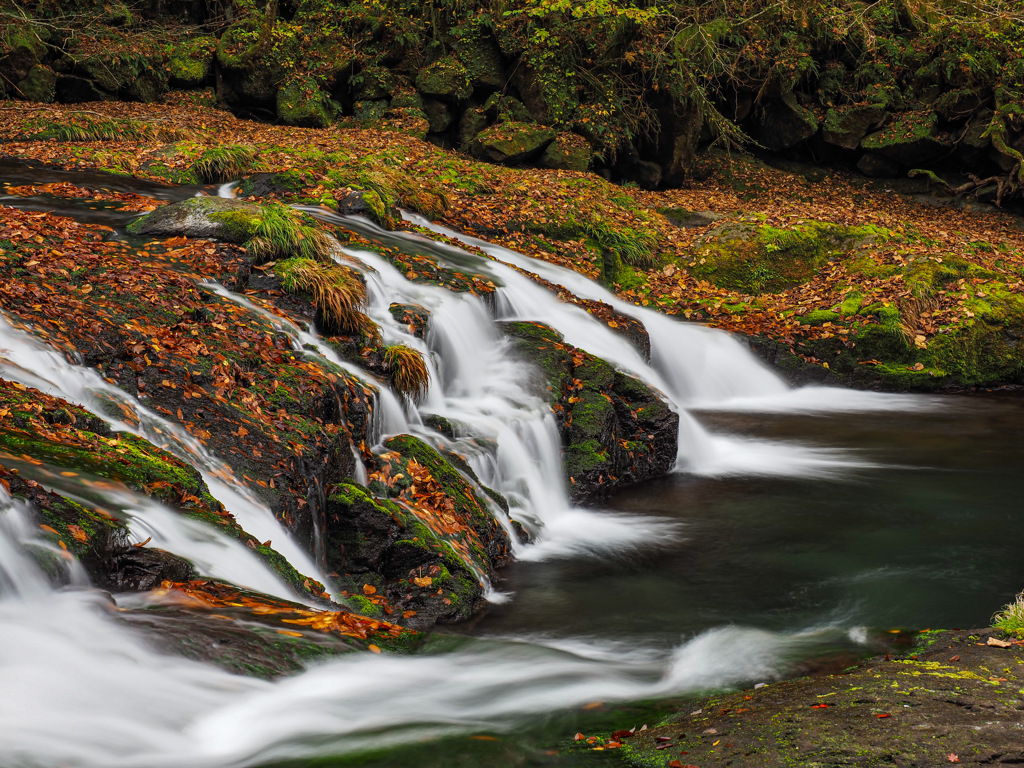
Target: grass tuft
(281, 232)
(337, 292)
(408, 370)
(106, 130)
(229, 162)
(1011, 618)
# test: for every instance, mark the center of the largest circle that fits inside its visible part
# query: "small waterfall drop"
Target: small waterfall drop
(28, 361)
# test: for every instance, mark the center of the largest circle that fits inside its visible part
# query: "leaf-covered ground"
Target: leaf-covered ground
(869, 286)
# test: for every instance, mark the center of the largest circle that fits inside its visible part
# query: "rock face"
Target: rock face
(616, 431)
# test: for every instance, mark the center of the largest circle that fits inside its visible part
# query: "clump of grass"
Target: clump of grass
(281, 232)
(228, 162)
(107, 130)
(408, 371)
(337, 292)
(1011, 618)
(635, 247)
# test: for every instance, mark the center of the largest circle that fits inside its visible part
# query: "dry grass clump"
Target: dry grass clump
(408, 371)
(337, 292)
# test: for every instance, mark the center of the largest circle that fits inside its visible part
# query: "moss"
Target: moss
(302, 102)
(447, 78)
(819, 316)
(228, 162)
(757, 259)
(190, 62)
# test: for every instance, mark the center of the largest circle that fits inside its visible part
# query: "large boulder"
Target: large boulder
(423, 533)
(302, 102)
(446, 79)
(911, 138)
(232, 221)
(511, 143)
(846, 126)
(616, 431)
(786, 124)
(568, 152)
(191, 62)
(39, 85)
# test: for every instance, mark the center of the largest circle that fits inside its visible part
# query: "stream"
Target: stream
(798, 530)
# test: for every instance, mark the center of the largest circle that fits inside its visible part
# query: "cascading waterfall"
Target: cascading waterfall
(28, 361)
(80, 690)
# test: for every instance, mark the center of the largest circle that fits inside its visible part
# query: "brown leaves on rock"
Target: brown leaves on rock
(217, 595)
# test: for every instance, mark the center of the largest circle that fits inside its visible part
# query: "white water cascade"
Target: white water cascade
(26, 360)
(80, 690)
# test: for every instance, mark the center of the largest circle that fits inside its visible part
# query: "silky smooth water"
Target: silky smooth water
(798, 526)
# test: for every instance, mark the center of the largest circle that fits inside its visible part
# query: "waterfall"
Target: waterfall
(28, 361)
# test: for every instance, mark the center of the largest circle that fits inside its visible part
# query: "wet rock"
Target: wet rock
(414, 316)
(616, 431)
(138, 569)
(420, 533)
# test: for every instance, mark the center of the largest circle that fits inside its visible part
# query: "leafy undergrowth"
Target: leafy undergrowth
(853, 282)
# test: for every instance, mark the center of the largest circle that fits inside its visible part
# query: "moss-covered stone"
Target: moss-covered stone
(747, 256)
(447, 78)
(511, 142)
(568, 152)
(232, 221)
(615, 430)
(911, 138)
(190, 62)
(302, 102)
(40, 84)
(846, 126)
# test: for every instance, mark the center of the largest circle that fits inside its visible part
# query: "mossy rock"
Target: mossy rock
(302, 102)
(505, 109)
(369, 113)
(22, 47)
(568, 152)
(749, 257)
(616, 431)
(511, 143)
(232, 221)
(191, 62)
(911, 138)
(439, 116)
(480, 56)
(447, 79)
(786, 124)
(846, 126)
(40, 85)
(472, 122)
